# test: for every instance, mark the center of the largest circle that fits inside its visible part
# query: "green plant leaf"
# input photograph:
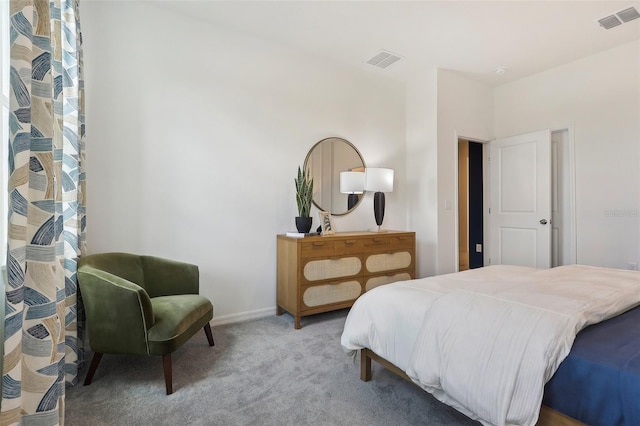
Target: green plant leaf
(304, 192)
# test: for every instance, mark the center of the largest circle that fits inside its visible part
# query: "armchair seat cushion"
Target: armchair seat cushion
(176, 319)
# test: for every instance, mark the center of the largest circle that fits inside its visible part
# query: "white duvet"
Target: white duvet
(486, 341)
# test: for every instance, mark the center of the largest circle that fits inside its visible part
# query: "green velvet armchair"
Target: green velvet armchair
(141, 305)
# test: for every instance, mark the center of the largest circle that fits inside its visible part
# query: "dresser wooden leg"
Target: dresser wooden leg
(278, 310)
(296, 323)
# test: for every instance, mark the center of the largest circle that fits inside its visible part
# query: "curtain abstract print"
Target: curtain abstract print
(46, 211)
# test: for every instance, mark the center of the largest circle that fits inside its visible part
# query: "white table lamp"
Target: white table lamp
(352, 183)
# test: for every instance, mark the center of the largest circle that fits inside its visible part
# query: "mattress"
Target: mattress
(598, 383)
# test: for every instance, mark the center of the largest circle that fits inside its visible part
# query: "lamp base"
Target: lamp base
(378, 229)
(378, 207)
(352, 200)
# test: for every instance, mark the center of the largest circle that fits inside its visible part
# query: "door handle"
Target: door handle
(543, 221)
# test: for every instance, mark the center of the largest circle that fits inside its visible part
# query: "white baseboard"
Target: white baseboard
(242, 316)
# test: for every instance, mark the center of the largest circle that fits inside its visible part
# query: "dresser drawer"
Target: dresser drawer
(373, 244)
(327, 294)
(324, 248)
(380, 262)
(350, 246)
(402, 242)
(376, 281)
(327, 269)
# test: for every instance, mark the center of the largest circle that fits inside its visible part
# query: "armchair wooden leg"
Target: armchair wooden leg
(97, 356)
(166, 363)
(207, 330)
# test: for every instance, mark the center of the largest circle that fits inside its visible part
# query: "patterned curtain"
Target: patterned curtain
(46, 211)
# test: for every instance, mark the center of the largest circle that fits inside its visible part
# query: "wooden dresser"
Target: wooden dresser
(324, 273)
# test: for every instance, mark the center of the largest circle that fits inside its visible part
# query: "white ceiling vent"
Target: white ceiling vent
(609, 22)
(619, 18)
(383, 59)
(628, 14)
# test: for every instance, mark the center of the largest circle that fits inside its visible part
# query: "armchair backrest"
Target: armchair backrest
(165, 277)
(123, 265)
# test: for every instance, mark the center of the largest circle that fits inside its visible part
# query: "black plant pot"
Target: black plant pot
(303, 224)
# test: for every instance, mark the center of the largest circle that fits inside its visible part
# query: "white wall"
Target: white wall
(194, 136)
(422, 170)
(600, 97)
(465, 109)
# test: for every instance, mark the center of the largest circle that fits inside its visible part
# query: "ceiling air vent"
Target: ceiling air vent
(619, 18)
(383, 59)
(609, 22)
(628, 14)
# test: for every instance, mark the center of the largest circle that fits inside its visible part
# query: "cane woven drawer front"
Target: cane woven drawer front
(385, 279)
(331, 293)
(388, 261)
(325, 269)
(324, 273)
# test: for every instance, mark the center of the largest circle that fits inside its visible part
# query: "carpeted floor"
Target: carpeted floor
(261, 372)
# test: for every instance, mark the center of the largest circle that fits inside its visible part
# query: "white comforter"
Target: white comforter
(486, 341)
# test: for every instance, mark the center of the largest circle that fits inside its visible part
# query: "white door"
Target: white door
(520, 213)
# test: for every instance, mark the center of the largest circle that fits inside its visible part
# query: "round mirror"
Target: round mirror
(325, 161)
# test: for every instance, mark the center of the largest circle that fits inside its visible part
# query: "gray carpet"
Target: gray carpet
(260, 372)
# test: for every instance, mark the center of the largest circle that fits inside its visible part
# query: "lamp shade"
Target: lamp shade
(378, 179)
(352, 182)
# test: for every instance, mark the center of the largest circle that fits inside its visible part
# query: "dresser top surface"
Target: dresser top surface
(347, 235)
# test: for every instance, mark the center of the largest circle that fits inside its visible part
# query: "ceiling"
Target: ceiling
(470, 37)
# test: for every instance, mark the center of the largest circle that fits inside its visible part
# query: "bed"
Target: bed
(487, 341)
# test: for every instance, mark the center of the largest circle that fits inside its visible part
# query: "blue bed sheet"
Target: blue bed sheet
(599, 381)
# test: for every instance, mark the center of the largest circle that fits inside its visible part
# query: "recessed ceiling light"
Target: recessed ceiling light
(501, 70)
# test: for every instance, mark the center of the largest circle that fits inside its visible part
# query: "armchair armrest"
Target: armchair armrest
(165, 277)
(119, 312)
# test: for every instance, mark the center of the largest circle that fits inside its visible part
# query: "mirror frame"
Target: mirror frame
(306, 168)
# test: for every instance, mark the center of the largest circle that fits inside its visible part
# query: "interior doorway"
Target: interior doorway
(470, 205)
(474, 186)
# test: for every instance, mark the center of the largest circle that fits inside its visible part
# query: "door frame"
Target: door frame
(485, 200)
(486, 184)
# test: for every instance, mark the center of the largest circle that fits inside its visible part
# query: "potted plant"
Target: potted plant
(304, 195)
